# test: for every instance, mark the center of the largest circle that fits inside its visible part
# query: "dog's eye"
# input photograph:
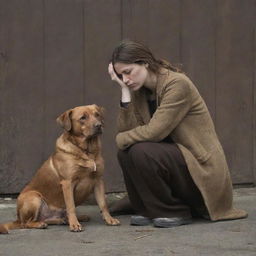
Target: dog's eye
(84, 117)
(97, 114)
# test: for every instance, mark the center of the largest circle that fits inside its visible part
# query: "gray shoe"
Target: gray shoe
(138, 220)
(171, 222)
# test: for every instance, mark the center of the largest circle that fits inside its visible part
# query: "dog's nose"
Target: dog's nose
(98, 125)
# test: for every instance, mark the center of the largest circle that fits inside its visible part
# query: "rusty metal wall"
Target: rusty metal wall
(54, 56)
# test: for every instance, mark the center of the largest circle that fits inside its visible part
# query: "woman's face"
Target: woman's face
(133, 75)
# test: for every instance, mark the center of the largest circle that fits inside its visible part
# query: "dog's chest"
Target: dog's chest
(84, 180)
(90, 167)
(83, 188)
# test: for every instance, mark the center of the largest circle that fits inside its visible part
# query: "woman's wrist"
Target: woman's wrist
(126, 95)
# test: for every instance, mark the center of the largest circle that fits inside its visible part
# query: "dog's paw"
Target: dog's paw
(76, 227)
(42, 225)
(3, 229)
(112, 221)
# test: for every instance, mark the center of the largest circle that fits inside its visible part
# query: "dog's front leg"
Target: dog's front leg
(67, 189)
(99, 192)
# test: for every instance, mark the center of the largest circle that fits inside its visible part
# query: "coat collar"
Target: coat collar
(140, 97)
(161, 77)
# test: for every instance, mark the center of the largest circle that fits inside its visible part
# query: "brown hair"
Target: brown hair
(133, 52)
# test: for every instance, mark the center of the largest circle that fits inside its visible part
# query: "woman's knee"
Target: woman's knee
(139, 152)
(135, 153)
(121, 155)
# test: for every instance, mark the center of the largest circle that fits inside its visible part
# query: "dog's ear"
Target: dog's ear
(101, 111)
(64, 120)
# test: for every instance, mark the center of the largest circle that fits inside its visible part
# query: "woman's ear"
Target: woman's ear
(146, 65)
(64, 120)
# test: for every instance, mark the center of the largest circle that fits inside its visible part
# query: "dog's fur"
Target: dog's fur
(68, 177)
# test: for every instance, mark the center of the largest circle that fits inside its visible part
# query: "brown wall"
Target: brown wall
(54, 56)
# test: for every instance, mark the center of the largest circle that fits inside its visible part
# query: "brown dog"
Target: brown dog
(67, 178)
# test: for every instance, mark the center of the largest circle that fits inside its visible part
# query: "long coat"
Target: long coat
(182, 115)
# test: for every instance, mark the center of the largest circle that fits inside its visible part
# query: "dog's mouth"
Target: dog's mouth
(97, 131)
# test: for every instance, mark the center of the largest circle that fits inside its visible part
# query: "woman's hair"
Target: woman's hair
(130, 52)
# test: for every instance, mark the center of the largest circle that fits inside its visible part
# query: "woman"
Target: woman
(171, 158)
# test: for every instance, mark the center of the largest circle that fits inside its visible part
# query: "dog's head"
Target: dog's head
(84, 121)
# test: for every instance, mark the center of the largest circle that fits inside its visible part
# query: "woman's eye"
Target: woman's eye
(120, 76)
(127, 72)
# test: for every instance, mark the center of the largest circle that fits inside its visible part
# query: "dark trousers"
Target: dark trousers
(158, 181)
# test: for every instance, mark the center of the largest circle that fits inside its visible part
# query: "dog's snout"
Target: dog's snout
(97, 128)
(98, 125)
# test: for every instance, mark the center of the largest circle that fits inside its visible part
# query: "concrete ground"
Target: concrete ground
(225, 238)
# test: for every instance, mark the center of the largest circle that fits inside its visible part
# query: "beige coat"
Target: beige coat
(182, 115)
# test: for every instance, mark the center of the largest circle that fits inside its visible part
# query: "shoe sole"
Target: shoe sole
(144, 222)
(164, 224)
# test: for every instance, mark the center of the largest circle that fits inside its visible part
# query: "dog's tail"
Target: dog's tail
(4, 228)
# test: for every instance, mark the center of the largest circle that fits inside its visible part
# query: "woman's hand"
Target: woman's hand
(114, 76)
(126, 95)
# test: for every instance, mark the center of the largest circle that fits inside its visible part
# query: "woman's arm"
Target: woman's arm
(126, 118)
(126, 94)
(175, 104)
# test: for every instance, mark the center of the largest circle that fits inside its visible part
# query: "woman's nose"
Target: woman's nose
(125, 79)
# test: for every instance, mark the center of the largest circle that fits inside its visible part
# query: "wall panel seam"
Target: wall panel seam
(44, 80)
(254, 104)
(83, 49)
(121, 19)
(180, 33)
(215, 67)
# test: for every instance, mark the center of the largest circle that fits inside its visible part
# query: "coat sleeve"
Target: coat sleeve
(176, 102)
(126, 118)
